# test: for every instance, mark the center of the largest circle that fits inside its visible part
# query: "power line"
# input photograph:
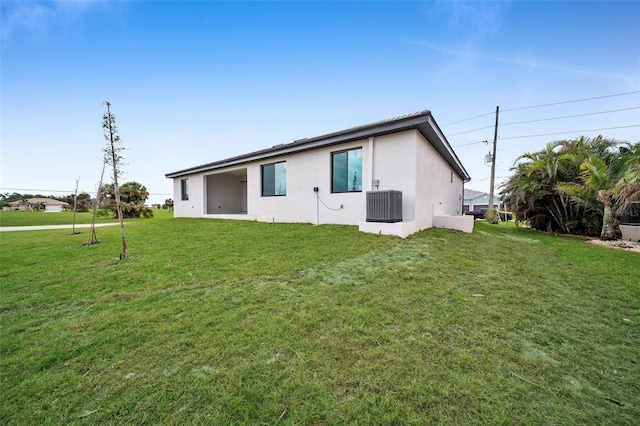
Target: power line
(569, 116)
(550, 134)
(548, 119)
(572, 131)
(473, 130)
(471, 143)
(575, 100)
(467, 119)
(38, 190)
(544, 105)
(42, 191)
(487, 178)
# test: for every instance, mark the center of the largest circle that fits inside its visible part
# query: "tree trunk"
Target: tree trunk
(75, 207)
(115, 163)
(125, 252)
(608, 226)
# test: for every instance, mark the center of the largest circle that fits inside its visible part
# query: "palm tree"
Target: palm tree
(607, 183)
(532, 193)
(627, 189)
(596, 188)
(556, 188)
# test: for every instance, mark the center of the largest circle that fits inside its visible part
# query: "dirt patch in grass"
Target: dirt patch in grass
(631, 246)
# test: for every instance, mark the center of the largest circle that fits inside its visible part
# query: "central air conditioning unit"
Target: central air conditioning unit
(384, 206)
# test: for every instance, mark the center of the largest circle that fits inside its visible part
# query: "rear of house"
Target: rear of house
(325, 180)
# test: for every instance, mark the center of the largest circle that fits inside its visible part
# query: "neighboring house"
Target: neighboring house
(47, 204)
(325, 179)
(477, 200)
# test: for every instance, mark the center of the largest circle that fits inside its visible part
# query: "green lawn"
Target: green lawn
(20, 218)
(222, 322)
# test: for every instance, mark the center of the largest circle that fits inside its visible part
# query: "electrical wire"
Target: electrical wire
(489, 177)
(471, 143)
(568, 102)
(569, 116)
(473, 130)
(547, 119)
(549, 134)
(545, 105)
(467, 119)
(42, 191)
(38, 190)
(572, 131)
(320, 199)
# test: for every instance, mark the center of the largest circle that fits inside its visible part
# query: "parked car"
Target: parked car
(479, 214)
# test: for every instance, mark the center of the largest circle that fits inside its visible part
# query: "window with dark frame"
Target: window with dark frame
(346, 170)
(274, 179)
(184, 189)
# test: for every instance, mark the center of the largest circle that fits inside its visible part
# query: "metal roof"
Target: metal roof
(472, 193)
(422, 121)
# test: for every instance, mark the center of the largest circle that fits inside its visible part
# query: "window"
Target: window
(184, 189)
(346, 171)
(274, 179)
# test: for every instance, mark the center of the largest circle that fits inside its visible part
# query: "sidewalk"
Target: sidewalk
(45, 227)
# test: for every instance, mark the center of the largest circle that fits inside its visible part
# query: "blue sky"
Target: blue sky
(195, 82)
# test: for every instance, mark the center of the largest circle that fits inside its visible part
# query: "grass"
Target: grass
(222, 322)
(23, 218)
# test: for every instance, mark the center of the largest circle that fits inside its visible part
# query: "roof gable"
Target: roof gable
(471, 193)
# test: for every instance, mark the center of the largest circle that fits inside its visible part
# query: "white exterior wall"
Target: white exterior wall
(305, 171)
(394, 167)
(195, 205)
(439, 189)
(402, 161)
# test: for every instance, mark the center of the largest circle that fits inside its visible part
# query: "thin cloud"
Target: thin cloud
(35, 18)
(477, 19)
(558, 67)
(529, 63)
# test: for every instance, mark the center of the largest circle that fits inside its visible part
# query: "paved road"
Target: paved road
(43, 227)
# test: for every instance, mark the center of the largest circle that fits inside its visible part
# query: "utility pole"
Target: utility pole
(492, 217)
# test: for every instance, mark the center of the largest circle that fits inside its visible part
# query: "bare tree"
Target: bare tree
(75, 206)
(115, 160)
(93, 238)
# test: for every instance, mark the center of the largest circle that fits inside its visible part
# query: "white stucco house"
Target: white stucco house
(331, 179)
(478, 200)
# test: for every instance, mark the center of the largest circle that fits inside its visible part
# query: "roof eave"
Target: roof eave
(348, 135)
(422, 121)
(437, 139)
